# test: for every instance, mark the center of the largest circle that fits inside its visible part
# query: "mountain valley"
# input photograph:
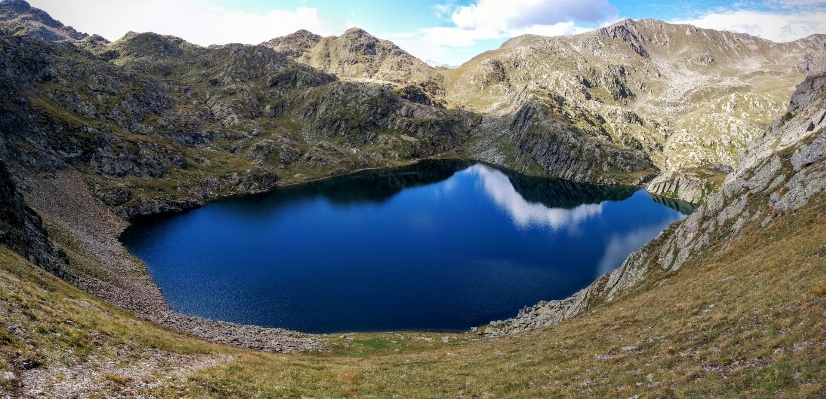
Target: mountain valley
(728, 302)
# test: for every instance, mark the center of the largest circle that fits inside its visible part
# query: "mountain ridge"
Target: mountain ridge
(625, 103)
(356, 54)
(669, 90)
(728, 301)
(21, 18)
(650, 120)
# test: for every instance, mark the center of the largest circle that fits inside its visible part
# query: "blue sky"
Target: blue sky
(439, 31)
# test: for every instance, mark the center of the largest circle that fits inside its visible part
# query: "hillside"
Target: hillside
(740, 316)
(156, 123)
(685, 97)
(728, 302)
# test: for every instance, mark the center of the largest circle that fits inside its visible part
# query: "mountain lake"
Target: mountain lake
(439, 246)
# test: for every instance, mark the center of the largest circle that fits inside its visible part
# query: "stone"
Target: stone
(811, 153)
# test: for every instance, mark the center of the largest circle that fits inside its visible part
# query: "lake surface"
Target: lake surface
(439, 245)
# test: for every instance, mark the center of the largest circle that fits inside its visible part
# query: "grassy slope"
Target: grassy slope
(747, 322)
(51, 328)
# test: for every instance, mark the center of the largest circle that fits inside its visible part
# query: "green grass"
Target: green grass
(57, 316)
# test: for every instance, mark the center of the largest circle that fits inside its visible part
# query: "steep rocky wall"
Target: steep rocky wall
(691, 186)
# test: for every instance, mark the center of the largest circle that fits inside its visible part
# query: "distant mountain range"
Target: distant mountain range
(619, 105)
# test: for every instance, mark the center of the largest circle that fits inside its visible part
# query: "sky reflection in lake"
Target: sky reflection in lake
(435, 246)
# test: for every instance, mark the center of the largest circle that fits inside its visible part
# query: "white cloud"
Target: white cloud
(443, 10)
(197, 21)
(775, 26)
(493, 21)
(507, 15)
(796, 4)
(456, 37)
(497, 19)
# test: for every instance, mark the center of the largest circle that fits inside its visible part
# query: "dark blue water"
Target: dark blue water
(435, 246)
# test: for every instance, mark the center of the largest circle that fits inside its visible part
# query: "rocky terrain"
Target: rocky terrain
(94, 133)
(21, 229)
(21, 19)
(150, 123)
(686, 98)
(359, 56)
(620, 105)
(108, 132)
(779, 174)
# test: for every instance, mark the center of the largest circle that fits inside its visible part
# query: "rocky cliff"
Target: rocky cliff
(688, 185)
(783, 173)
(18, 17)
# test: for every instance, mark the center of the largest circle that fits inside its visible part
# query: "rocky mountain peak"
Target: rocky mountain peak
(626, 31)
(150, 45)
(357, 54)
(19, 6)
(358, 41)
(817, 39)
(358, 33)
(295, 44)
(20, 18)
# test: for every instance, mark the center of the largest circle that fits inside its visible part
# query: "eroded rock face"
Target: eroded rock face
(553, 136)
(684, 187)
(691, 186)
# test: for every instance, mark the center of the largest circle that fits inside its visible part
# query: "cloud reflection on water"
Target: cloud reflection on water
(621, 245)
(524, 213)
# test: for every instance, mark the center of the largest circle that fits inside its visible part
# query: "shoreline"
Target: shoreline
(105, 269)
(125, 282)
